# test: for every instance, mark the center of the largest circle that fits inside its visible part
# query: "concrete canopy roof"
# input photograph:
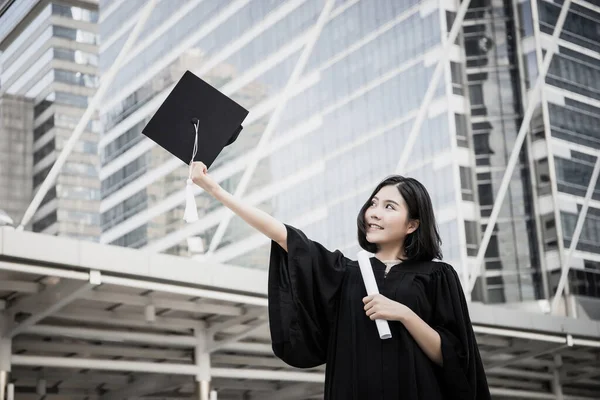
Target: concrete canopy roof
(90, 321)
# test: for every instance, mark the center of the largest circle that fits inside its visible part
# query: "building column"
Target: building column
(202, 358)
(556, 383)
(203, 390)
(5, 354)
(3, 381)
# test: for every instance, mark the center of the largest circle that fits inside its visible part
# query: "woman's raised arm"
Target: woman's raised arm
(258, 219)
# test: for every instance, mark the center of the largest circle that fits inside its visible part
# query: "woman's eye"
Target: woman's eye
(390, 206)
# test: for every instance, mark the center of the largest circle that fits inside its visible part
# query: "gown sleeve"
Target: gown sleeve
(304, 284)
(462, 371)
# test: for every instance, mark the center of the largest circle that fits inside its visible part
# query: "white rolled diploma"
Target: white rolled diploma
(366, 271)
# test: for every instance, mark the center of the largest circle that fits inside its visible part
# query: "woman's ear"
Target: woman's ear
(413, 225)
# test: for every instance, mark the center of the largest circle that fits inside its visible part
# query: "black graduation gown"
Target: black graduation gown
(316, 316)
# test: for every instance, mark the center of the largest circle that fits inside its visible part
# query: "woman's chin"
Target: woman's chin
(373, 238)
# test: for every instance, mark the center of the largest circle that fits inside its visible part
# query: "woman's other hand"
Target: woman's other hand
(380, 307)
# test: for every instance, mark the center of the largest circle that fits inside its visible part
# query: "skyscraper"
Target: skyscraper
(49, 58)
(341, 131)
(564, 139)
(16, 155)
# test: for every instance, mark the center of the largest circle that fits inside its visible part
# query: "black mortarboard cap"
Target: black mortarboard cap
(193, 101)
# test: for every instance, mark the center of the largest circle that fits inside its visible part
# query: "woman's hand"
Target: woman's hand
(201, 178)
(380, 307)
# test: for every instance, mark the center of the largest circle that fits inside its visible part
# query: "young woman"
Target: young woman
(319, 311)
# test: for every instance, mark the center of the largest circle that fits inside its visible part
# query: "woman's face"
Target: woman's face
(387, 218)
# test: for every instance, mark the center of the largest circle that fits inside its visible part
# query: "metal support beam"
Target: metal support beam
(592, 373)
(104, 365)
(105, 82)
(566, 259)
(534, 96)
(174, 341)
(160, 302)
(433, 84)
(296, 391)
(525, 356)
(103, 350)
(274, 120)
(164, 368)
(49, 301)
(218, 345)
(20, 286)
(146, 385)
(116, 318)
(242, 319)
(186, 291)
(249, 348)
(520, 394)
(248, 360)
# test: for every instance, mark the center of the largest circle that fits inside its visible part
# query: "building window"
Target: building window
(466, 184)
(46, 149)
(45, 222)
(457, 78)
(75, 78)
(472, 237)
(135, 239)
(76, 56)
(43, 128)
(460, 121)
(76, 35)
(75, 13)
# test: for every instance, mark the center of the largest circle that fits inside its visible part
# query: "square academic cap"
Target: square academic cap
(194, 104)
(195, 123)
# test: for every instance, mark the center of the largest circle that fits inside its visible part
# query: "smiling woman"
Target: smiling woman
(397, 222)
(319, 311)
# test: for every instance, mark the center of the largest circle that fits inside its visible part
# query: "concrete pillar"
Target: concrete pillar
(556, 383)
(203, 390)
(10, 391)
(202, 358)
(3, 382)
(5, 354)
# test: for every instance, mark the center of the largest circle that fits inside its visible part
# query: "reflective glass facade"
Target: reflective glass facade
(565, 136)
(52, 62)
(341, 131)
(344, 126)
(512, 270)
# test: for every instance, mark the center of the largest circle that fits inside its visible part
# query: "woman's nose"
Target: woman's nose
(374, 214)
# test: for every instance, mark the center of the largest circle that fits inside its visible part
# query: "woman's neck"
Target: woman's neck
(388, 254)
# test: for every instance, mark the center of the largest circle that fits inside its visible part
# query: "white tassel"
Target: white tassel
(191, 210)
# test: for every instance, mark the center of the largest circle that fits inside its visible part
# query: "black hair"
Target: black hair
(424, 244)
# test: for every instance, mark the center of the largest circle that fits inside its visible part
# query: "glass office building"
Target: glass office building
(342, 129)
(565, 139)
(505, 43)
(49, 57)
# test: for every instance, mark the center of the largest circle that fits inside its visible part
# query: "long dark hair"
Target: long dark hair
(424, 244)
